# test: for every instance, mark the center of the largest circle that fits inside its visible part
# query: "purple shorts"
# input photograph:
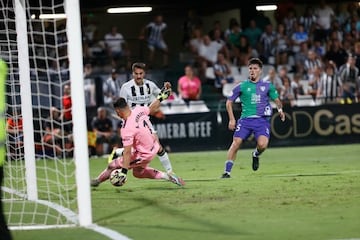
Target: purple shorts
(246, 126)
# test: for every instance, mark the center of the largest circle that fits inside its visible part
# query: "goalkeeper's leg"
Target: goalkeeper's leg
(105, 174)
(152, 173)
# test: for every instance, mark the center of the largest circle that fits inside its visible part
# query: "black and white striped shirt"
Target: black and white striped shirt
(329, 86)
(139, 95)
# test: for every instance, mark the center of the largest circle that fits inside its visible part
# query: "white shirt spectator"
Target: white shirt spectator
(114, 41)
(209, 49)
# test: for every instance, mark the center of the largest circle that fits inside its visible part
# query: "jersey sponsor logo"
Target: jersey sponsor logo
(255, 98)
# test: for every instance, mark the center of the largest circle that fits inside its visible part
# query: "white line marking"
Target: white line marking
(312, 174)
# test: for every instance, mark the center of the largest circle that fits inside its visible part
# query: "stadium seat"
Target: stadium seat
(197, 106)
(305, 100)
(174, 108)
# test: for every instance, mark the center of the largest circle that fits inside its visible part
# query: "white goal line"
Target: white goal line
(70, 215)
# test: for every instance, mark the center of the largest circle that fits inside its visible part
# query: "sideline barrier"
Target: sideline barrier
(325, 124)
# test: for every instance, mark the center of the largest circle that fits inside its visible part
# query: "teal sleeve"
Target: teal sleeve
(273, 93)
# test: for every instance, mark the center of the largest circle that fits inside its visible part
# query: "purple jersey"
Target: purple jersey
(255, 98)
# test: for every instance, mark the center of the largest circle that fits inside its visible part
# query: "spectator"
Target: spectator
(311, 62)
(262, 20)
(349, 73)
(66, 107)
(357, 54)
(224, 47)
(89, 85)
(300, 58)
(314, 82)
(324, 16)
(336, 53)
(290, 21)
(233, 41)
(111, 88)
(216, 27)
(272, 77)
(116, 48)
(330, 85)
(222, 71)
(282, 43)
(319, 48)
(154, 33)
(253, 33)
(196, 41)
(207, 55)
(89, 35)
(287, 94)
(57, 136)
(189, 85)
(297, 86)
(336, 31)
(299, 36)
(267, 44)
(192, 21)
(308, 20)
(244, 51)
(234, 27)
(102, 126)
(90, 31)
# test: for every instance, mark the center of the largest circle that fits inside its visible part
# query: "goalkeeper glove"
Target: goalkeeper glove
(116, 152)
(164, 94)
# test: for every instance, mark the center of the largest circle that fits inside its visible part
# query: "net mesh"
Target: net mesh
(52, 124)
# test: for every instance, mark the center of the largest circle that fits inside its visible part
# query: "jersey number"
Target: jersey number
(147, 126)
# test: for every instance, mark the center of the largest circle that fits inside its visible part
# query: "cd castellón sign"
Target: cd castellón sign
(333, 120)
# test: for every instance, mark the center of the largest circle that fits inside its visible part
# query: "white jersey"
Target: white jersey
(139, 95)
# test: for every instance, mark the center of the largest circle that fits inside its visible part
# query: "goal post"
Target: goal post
(25, 95)
(47, 183)
(81, 154)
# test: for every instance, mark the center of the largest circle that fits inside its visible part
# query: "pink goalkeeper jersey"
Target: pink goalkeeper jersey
(136, 131)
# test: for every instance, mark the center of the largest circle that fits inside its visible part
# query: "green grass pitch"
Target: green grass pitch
(297, 193)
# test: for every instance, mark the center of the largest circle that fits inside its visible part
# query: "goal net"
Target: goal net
(46, 179)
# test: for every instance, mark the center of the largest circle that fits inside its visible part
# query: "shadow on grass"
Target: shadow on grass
(205, 226)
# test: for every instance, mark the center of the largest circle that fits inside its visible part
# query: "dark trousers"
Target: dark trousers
(4, 231)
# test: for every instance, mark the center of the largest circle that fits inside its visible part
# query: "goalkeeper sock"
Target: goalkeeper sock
(165, 161)
(228, 165)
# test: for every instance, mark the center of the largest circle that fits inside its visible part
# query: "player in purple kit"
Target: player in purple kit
(140, 144)
(255, 95)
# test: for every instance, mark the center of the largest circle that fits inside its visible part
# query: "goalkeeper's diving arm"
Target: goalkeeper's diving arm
(163, 95)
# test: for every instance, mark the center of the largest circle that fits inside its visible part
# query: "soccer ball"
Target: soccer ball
(116, 176)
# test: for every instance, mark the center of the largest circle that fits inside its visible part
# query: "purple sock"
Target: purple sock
(228, 165)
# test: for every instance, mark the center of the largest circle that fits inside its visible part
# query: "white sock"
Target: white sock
(165, 161)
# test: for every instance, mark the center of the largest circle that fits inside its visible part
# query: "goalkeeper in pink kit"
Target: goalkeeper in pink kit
(140, 144)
